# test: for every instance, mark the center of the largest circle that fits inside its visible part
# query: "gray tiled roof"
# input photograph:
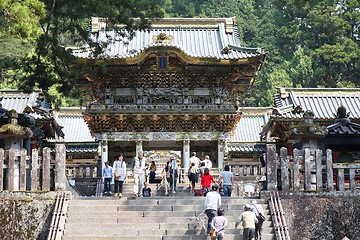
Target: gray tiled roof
(249, 128)
(246, 137)
(323, 102)
(74, 127)
(202, 40)
(18, 100)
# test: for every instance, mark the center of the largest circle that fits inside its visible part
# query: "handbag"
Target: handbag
(213, 233)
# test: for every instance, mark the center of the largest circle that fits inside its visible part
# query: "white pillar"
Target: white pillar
(221, 153)
(139, 146)
(186, 155)
(104, 150)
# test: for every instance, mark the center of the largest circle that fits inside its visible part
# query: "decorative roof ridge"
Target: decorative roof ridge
(284, 92)
(228, 48)
(281, 110)
(98, 23)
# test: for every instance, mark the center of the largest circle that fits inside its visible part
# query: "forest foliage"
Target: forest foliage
(309, 44)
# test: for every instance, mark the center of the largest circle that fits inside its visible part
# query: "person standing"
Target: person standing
(192, 176)
(119, 169)
(138, 166)
(258, 210)
(248, 221)
(174, 173)
(211, 205)
(206, 163)
(152, 172)
(227, 179)
(196, 161)
(107, 177)
(219, 223)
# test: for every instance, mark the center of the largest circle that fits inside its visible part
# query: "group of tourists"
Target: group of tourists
(251, 219)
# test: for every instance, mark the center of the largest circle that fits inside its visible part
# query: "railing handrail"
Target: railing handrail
(281, 229)
(58, 216)
(98, 192)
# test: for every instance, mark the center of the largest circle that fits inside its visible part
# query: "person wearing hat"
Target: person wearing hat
(258, 210)
(211, 205)
(248, 221)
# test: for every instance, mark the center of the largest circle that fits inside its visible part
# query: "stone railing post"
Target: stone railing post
(271, 167)
(34, 170)
(23, 155)
(284, 164)
(46, 169)
(60, 167)
(296, 170)
(340, 179)
(2, 158)
(318, 159)
(307, 173)
(11, 170)
(329, 170)
(352, 179)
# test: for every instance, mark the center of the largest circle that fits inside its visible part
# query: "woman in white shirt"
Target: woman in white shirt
(119, 170)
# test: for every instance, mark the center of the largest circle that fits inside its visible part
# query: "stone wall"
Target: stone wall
(25, 215)
(324, 218)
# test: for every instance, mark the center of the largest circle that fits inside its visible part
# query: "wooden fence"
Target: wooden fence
(309, 170)
(20, 172)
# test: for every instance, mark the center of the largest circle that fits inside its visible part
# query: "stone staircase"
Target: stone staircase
(157, 217)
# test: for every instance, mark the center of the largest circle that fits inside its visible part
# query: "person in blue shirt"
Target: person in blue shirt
(107, 177)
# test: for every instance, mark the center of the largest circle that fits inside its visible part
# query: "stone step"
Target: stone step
(125, 219)
(119, 235)
(173, 201)
(161, 218)
(120, 208)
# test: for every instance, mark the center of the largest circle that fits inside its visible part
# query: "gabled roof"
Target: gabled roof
(196, 37)
(74, 127)
(323, 102)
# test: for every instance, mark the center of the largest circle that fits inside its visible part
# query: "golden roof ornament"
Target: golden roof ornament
(163, 38)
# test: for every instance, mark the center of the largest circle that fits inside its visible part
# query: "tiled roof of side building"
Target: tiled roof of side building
(250, 125)
(201, 37)
(32, 103)
(74, 127)
(323, 102)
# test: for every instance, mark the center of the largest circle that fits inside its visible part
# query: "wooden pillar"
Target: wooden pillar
(296, 170)
(11, 170)
(2, 158)
(271, 167)
(46, 169)
(22, 171)
(307, 173)
(60, 167)
(34, 170)
(340, 179)
(318, 159)
(329, 170)
(284, 164)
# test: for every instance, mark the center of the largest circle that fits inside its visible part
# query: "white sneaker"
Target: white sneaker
(120, 195)
(174, 191)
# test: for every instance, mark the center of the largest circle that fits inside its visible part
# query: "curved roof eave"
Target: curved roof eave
(186, 56)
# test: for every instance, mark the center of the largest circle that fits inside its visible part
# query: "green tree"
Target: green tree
(66, 23)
